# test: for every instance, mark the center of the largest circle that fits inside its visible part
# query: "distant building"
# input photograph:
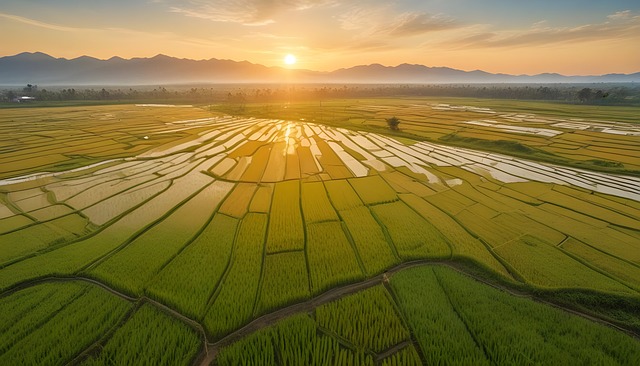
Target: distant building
(23, 99)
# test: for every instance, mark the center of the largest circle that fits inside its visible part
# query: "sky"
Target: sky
(571, 37)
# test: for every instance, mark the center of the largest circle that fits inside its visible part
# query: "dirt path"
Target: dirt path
(339, 292)
(272, 318)
(381, 356)
(210, 350)
(68, 279)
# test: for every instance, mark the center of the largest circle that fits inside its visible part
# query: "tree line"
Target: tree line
(604, 94)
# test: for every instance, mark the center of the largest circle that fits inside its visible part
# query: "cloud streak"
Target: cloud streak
(385, 21)
(37, 23)
(620, 25)
(246, 12)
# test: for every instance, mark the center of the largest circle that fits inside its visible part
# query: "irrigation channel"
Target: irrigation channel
(211, 349)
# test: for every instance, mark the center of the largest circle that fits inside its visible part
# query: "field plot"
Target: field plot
(234, 299)
(332, 260)
(441, 334)
(214, 223)
(132, 267)
(442, 322)
(72, 129)
(367, 319)
(294, 342)
(350, 331)
(537, 333)
(66, 319)
(414, 237)
(151, 338)
(285, 220)
(207, 256)
(369, 239)
(315, 203)
(406, 357)
(285, 280)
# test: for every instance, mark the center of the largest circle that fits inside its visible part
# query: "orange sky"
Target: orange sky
(568, 37)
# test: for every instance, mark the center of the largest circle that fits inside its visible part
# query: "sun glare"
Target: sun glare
(290, 59)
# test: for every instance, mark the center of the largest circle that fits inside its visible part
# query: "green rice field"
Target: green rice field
(483, 232)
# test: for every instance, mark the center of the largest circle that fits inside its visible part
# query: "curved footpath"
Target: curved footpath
(210, 350)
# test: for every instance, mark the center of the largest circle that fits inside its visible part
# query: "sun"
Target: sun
(290, 59)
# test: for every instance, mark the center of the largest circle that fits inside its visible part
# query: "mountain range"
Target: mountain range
(41, 69)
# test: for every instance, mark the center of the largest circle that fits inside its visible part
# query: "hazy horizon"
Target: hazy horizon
(294, 68)
(569, 37)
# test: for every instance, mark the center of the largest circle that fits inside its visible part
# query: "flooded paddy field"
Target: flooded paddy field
(229, 233)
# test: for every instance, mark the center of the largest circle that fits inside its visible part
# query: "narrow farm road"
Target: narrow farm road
(339, 292)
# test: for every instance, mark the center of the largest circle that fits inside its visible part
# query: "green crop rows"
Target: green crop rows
(150, 338)
(183, 236)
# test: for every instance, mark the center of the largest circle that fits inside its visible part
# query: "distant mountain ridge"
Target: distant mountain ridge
(42, 69)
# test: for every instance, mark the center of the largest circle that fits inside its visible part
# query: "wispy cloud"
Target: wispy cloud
(626, 14)
(385, 20)
(271, 36)
(620, 25)
(246, 12)
(417, 23)
(143, 36)
(40, 24)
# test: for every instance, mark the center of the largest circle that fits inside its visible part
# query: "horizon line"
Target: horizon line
(309, 70)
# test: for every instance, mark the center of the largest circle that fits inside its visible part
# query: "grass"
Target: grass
(442, 335)
(546, 266)
(206, 258)
(504, 146)
(461, 241)
(235, 297)
(373, 190)
(285, 281)
(332, 260)
(590, 209)
(28, 309)
(135, 265)
(293, 341)
(40, 236)
(420, 122)
(536, 333)
(261, 201)
(367, 319)
(73, 127)
(408, 356)
(150, 337)
(223, 228)
(413, 237)
(286, 230)
(315, 203)
(369, 239)
(342, 195)
(617, 267)
(66, 332)
(454, 319)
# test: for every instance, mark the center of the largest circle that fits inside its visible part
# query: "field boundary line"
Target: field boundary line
(106, 256)
(210, 350)
(463, 320)
(393, 299)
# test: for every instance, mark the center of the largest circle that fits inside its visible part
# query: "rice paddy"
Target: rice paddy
(213, 222)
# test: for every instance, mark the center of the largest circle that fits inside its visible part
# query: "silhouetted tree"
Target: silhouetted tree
(393, 123)
(585, 94)
(30, 89)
